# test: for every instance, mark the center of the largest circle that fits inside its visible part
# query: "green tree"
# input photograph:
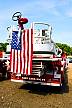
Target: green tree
(65, 48)
(3, 46)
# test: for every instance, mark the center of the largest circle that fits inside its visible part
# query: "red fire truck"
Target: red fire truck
(35, 58)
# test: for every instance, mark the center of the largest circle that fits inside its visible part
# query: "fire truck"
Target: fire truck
(5, 61)
(39, 60)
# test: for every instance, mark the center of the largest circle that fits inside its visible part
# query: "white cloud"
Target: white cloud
(69, 13)
(31, 8)
(39, 7)
(64, 37)
(67, 7)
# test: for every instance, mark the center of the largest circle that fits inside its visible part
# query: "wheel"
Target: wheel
(16, 16)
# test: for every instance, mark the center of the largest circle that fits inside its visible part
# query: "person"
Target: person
(64, 55)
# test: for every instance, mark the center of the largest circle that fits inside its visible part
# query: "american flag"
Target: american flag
(21, 52)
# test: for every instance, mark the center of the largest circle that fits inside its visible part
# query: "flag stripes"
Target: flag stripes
(21, 58)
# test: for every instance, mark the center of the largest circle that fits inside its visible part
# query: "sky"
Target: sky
(57, 13)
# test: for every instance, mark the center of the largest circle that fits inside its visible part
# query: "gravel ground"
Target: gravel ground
(17, 95)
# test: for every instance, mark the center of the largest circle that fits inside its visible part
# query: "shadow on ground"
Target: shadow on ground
(3, 79)
(44, 90)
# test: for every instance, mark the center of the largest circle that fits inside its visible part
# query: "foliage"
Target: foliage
(3, 46)
(65, 48)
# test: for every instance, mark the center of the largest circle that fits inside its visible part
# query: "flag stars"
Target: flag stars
(16, 43)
